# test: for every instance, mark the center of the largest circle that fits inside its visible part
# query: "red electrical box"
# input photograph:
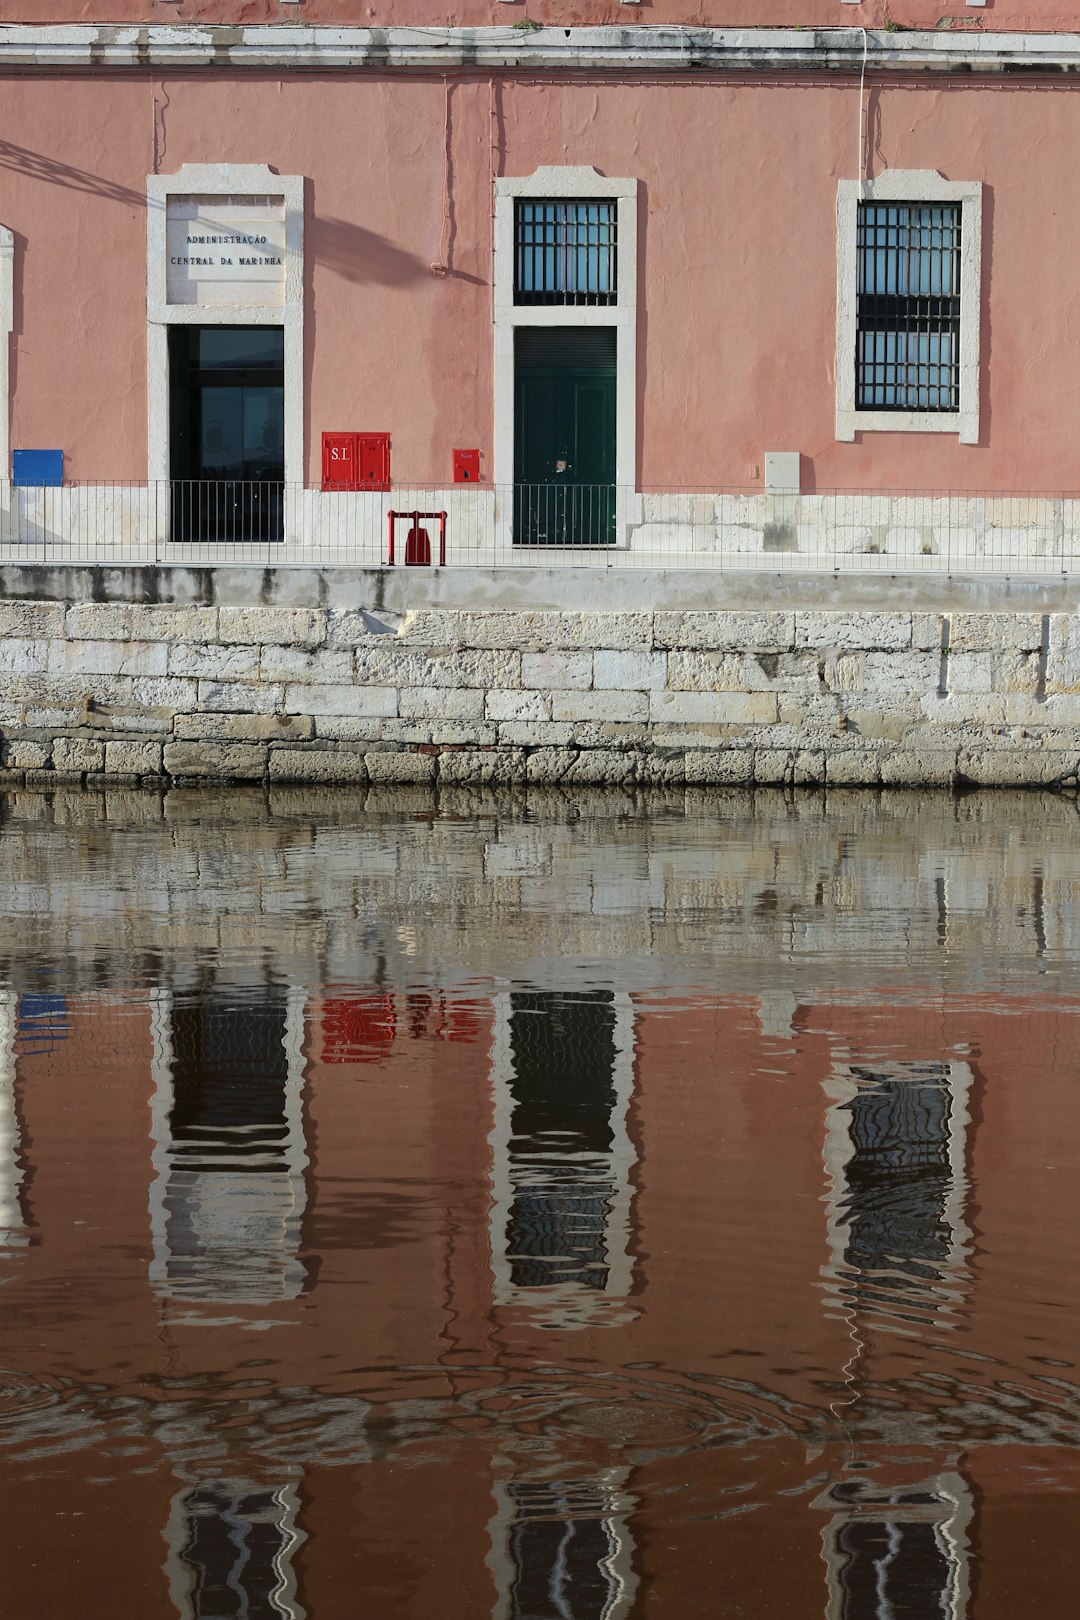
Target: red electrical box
(466, 466)
(373, 459)
(356, 461)
(339, 468)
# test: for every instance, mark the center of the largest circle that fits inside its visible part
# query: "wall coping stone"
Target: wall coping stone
(622, 50)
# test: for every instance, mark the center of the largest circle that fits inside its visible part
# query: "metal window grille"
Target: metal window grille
(908, 321)
(565, 252)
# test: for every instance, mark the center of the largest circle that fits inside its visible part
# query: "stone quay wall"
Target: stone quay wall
(535, 675)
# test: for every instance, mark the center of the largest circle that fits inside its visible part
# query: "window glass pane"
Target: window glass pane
(565, 252)
(240, 348)
(908, 321)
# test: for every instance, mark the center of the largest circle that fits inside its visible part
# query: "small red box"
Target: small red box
(373, 459)
(466, 466)
(339, 466)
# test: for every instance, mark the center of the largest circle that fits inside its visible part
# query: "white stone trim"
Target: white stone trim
(236, 180)
(568, 181)
(7, 326)
(909, 185)
(673, 49)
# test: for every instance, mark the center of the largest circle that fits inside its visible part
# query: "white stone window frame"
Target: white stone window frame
(225, 180)
(914, 186)
(556, 183)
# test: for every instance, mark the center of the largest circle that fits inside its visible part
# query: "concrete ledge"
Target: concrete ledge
(622, 50)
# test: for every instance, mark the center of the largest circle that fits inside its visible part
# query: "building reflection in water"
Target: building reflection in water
(231, 1548)
(896, 1144)
(898, 1554)
(229, 1153)
(563, 1550)
(562, 1158)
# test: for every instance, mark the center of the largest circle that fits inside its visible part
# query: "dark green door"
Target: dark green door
(564, 433)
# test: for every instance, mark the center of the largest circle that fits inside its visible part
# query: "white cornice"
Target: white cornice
(629, 50)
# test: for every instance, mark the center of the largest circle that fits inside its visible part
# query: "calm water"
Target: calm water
(551, 1209)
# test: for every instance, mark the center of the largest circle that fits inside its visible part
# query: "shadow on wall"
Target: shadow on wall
(362, 256)
(54, 173)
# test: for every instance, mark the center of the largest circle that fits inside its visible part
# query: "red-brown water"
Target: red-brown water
(546, 1209)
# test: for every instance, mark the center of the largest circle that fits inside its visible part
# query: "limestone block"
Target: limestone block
(439, 702)
(371, 701)
(557, 671)
(162, 693)
(834, 629)
(926, 768)
(537, 631)
(161, 622)
(887, 673)
(629, 671)
(290, 627)
(969, 671)
(1018, 672)
(613, 705)
(395, 765)
(740, 708)
(1058, 709)
(470, 765)
(353, 627)
(926, 631)
(297, 665)
(245, 727)
(725, 631)
(1016, 767)
(716, 672)
(130, 758)
(846, 672)
(73, 755)
(388, 662)
(535, 734)
(213, 663)
(603, 767)
(853, 767)
(820, 712)
(220, 761)
(108, 658)
(26, 657)
(808, 769)
(964, 708)
(316, 765)
(65, 691)
(661, 767)
(99, 621)
(772, 765)
(517, 706)
(994, 632)
(1063, 653)
(32, 621)
(730, 765)
(445, 733)
(24, 754)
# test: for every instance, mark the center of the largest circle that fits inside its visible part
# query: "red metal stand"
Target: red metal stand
(417, 544)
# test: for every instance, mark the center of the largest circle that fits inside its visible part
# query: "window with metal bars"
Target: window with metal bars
(565, 251)
(908, 308)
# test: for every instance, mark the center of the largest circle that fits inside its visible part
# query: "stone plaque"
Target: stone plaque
(225, 250)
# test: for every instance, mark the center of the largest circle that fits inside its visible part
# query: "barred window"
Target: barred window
(908, 310)
(565, 251)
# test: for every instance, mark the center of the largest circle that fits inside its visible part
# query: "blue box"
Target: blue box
(38, 469)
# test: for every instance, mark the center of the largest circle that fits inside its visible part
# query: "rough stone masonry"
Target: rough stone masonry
(582, 675)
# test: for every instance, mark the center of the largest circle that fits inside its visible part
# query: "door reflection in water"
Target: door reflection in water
(231, 1547)
(562, 1550)
(899, 1554)
(229, 1195)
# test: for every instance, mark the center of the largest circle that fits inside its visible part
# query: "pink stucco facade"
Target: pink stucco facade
(737, 179)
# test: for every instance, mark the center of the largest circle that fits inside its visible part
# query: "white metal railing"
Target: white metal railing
(542, 525)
